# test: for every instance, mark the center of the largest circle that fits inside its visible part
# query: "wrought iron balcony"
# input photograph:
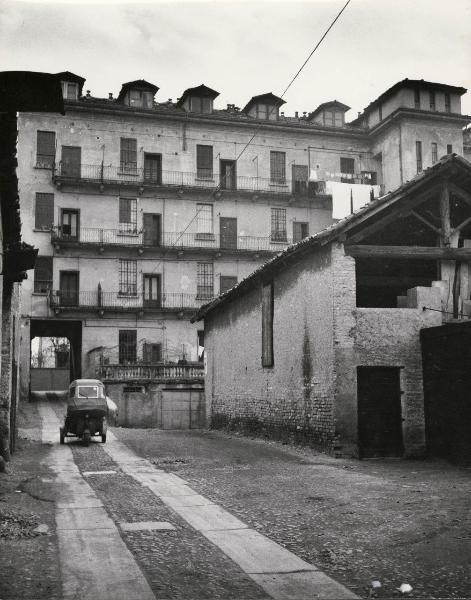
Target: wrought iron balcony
(174, 239)
(98, 300)
(150, 372)
(109, 174)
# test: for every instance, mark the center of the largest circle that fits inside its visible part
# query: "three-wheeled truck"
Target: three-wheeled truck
(87, 410)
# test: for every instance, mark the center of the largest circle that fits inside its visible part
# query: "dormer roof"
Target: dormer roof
(201, 91)
(332, 104)
(138, 84)
(72, 77)
(269, 99)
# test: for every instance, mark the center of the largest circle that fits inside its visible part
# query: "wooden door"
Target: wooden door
(152, 290)
(153, 168)
(300, 231)
(69, 288)
(379, 412)
(182, 409)
(228, 232)
(300, 175)
(152, 229)
(227, 174)
(71, 161)
(70, 224)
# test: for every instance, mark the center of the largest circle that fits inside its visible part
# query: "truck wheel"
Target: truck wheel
(86, 438)
(103, 438)
(61, 435)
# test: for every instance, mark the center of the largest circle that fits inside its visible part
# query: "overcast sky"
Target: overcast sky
(244, 48)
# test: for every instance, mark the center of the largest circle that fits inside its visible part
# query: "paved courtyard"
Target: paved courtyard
(209, 515)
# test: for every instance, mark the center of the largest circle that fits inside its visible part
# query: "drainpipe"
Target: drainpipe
(400, 154)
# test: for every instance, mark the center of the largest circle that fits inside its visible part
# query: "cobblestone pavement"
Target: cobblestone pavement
(28, 544)
(359, 521)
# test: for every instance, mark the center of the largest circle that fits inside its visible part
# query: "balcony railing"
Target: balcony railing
(158, 371)
(102, 174)
(98, 299)
(172, 239)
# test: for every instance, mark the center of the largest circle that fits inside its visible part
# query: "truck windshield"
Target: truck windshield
(88, 391)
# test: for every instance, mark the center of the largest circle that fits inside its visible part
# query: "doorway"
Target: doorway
(152, 290)
(228, 232)
(379, 412)
(152, 229)
(71, 161)
(69, 288)
(153, 168)
(227, 174)
(70, 223)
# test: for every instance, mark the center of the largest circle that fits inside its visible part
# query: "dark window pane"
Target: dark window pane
(205, 280)
(278, 225)
(127, 346)
(128, 277)
(43, 274)
(45, 149)
(226, 282)
(128, 154)
(204, 161)
(347, 168)
(277, 167)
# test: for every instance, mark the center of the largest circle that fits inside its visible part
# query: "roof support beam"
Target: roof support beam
(409, 252)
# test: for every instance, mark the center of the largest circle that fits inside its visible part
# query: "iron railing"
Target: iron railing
(157, 371)
(172, 239)
(110, 174)
(98, 299)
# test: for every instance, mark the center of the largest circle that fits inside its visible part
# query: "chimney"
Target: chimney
(110, 96)
(88, 94)
(296, 114)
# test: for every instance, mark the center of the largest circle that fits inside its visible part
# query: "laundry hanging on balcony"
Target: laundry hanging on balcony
(348, 197)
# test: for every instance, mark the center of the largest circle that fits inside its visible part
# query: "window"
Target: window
(69, 90)
(200, 105)
(140, 99)
(200, 340)
(205, 281)
(416, 98)
(45, 149)
(369, 177)
(418, 156)
(447, 103)
(44, 211)
(128, 154)
(152, 353)
(262, 111)
(43, 274)
(127, 346)
(226, 282)
(347, 169)
(333, 118)
(300, 231)
(277, 167)
(434, 153)
(432, 100)
(449, 149)
(204, 161)
(278, 225)
(204, 219)
(128, 277)
(128, 215)
(267, 325)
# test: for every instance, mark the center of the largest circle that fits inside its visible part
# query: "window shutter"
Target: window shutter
(124, 210)
(204, 160)
(46, 148)
(267, 325)
(44, 211)
(278, 166)
(128, 153)
(43, 274)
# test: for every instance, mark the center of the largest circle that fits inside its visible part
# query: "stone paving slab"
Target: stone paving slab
(83, 518)
(193, 500)
(209, 517)
(168, 489)
(89, 473)
(255, 553)
(147, 526)
(312, 585)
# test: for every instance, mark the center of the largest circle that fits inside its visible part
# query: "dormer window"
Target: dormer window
(330, 114)
(264, 107)
(333, 118)
(69, 90)
(265, 111)
(140, 99)
(201, 104)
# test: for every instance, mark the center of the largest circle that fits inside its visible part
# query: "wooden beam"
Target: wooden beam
(409, 252)
(462, 225)
(459, 193)
(392, 281)
(424, 221)
(392, 216)
(445, 229)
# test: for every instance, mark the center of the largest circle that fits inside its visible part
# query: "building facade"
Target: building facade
(322, 344)
(143, 210)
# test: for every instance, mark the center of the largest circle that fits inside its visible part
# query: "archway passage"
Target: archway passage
(57, 330)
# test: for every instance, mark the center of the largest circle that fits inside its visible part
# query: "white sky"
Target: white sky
(244, 48)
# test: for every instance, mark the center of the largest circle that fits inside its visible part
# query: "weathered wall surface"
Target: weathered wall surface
(292, 400)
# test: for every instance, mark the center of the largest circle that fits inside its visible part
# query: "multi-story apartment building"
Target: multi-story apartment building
(144, 210)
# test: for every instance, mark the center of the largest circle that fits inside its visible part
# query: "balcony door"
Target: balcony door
(300, 177)
(227, 174)
(69, 288)
(152, 229)
(70, 220)
(228, 232)
(153, 168)
(152, 290)
(71, 161)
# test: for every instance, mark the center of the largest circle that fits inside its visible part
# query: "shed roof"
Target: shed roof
(451, 165)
